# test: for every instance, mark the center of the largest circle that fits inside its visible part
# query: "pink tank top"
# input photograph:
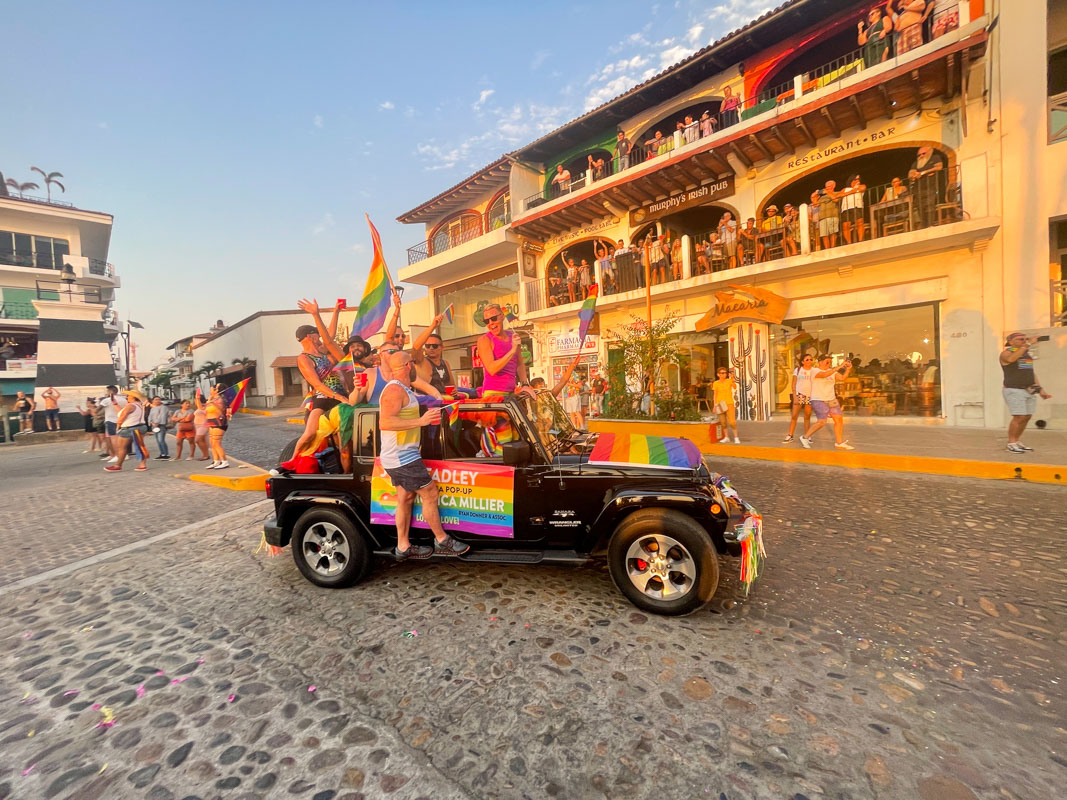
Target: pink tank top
(503, 381)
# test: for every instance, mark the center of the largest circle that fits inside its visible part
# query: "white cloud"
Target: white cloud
(693, 34)
(323, 224)
(387, 105)
(410, 113)
(318, 122)
(540, 57)
(485, 95)
(674, 54)
(735, 13)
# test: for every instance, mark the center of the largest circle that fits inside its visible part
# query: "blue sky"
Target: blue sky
(238, 144)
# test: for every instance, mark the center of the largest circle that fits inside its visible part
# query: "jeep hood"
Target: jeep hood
(654, 452)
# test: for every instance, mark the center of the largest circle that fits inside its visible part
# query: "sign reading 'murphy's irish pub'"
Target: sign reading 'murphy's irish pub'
(694, 197)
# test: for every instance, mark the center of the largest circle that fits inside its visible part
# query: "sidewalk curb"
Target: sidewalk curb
(246, 483)
(955, 467)
(258, 411)
(295, 420)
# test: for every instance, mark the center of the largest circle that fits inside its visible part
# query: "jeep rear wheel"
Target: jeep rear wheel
(328, 549)
(664, 562)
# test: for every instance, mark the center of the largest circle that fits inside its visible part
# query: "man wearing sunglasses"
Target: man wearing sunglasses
(428, 357)
(499, 352)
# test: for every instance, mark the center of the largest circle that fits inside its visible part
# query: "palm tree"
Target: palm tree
(210, 368)
(21, 187)
(49, 179)
(245, 363)
(3, 186)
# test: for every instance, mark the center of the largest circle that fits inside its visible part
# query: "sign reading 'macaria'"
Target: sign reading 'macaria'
(744, 302)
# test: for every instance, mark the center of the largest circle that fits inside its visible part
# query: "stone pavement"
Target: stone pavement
(906, 641)
(59, 505)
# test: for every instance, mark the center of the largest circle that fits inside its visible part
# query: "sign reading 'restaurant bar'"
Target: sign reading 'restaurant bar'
(694, 197)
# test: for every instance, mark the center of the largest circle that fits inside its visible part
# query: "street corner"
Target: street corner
(243, 483)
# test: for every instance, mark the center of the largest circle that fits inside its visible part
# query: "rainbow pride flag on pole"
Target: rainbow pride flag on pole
(586, 312)
(378, 295)
(235, 395)
(664, 452)
(450, 313)
(346, 364)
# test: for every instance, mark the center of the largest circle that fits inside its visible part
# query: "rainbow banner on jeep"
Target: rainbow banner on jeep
(474, 498)
(664, 452)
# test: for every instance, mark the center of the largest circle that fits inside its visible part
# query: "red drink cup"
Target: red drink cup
(342, 304)
(361, 380)
(450, 390)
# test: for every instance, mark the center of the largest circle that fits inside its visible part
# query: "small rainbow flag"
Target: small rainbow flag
(450, 313)
(510, 317)
(346, 364)
(378, 294)
(235, 395)
(588, 309)
(664, 452)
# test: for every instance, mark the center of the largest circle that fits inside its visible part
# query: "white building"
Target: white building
(74, 351)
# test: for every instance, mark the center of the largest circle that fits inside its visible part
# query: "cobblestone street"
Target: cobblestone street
(906, 641)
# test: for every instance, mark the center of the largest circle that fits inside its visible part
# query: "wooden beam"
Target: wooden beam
(887, 101)
(692, 171)
(965, 70)
(744, 159)
(802, 126)
(834, 127)
(623, 193)
(654, 181)
(786, 146)
(758, 143)
(950, 76)
(916, 87)
(857, 110)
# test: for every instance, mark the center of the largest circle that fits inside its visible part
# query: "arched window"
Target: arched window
(456, 230)
(668, 124)
(499, 213)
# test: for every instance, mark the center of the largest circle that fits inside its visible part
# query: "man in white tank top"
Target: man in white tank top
(401, 428)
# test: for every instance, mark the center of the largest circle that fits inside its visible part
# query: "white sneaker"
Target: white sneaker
(788, 438)
(113, 460)
(1024, 447)
(843, 446)
(806, 442)
(1013, 447)
(212, 465)
(736, 440)
(724, 440)
(222, 465)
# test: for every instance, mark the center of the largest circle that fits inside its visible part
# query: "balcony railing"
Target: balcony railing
(98, 267)
(17, 310)
(42, 200)
(446, 240)
(1057, 118)
(735, 110)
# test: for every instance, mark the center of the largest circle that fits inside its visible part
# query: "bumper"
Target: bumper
(273, 532)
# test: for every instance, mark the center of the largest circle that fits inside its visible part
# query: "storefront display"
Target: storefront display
(894, 352)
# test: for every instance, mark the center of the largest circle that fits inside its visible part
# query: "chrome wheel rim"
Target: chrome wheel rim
(326, 548)
(660, 567)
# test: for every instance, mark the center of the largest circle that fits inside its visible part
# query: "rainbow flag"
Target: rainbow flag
(585, 314)
(235, 395)
(663, 452)
(346, 364)
(378, 295)
(510, 317)
(450, 313)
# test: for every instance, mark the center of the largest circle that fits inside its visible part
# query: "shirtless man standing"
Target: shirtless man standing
(428, 355)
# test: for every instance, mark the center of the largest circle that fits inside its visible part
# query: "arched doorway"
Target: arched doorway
(697, 223)
(837, 47)
(583, 250)
(578, 165)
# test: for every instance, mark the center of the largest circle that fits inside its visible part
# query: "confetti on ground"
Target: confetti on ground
(31, 733)
(140, 691)
(231, 698)
(200, 661)
(410, 634)
(109, 717)
(96, 706)
(102, 769)
(28, 770)
(182, 679)
(69, 693)
(28, 635)
(161, 672)
(312, 688)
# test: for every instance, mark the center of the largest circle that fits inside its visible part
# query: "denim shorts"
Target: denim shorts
(52, 414)
(1020, 402)
(826, 408)
(110, 428)
(127, 433)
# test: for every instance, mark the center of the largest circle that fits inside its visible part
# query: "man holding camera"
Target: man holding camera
(1021, 388)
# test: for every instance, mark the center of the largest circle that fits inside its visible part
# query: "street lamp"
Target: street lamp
(126, 337)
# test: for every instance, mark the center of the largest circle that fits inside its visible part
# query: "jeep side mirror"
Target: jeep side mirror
(516, 454)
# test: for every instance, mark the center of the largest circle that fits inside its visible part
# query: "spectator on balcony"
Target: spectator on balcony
(561, 181)
(925, 176)
(946, 16)
(572, 279)
(707, 124)
(691, 130)
(662, 253)
(604, 262)
(676, 260)
(852, 209)
(622, 152)
(791, 237)
(557, 291)
(596, 166)
(874, 37)
(704, 257)
(747, 240)
(813, 220)
(909, 24)
(829, 216)
(728, 109)
(728, 237)
(652, 145)
(771, 231)
(895, 190)
(585, 277)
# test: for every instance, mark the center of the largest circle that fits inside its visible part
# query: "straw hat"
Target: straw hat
(136, 395)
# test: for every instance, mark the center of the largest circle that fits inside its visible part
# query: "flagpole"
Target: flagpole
(648, 322)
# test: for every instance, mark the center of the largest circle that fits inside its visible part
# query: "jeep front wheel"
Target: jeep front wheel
(328, 549)
(664, 562)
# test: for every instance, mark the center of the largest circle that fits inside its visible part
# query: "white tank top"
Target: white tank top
(402, 447)
(135, 417)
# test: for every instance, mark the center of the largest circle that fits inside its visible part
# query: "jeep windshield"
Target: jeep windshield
(550, 422)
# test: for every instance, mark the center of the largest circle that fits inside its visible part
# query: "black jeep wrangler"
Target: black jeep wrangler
(522, 486)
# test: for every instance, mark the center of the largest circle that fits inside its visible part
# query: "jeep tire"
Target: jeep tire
(328, 549)
(663, 561)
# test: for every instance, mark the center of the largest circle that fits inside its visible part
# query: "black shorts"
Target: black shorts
(325, 404)
(412, 477)
(852, 215)
(89, 427)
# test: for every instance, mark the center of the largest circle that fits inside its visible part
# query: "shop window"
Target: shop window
(1058, 270)
(894, 352)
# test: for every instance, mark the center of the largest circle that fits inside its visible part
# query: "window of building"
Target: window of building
(499, 213)
(1057, 71)
(1058, 270)
(469, 297)
(894, 352)
(27, 250)
(453, 232)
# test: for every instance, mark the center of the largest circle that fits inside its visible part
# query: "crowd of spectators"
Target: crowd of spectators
(895, 27)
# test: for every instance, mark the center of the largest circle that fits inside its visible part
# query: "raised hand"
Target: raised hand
(310, 306)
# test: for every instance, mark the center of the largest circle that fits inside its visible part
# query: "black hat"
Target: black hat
(305, 331)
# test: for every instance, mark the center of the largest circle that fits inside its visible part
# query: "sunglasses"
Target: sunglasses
(431, 346)
(493, 318)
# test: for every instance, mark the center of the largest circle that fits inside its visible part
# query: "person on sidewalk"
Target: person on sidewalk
(184, 420)
(200, 431)
(131, 430)
(99, 429)
(1021, 388)
(112, 403)
(158, 418)
(723, 392)
(24, 407)
(90, 428)
(802, 389)
(51, 407)
(401, 431)
(824, 401)
(218, 420)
